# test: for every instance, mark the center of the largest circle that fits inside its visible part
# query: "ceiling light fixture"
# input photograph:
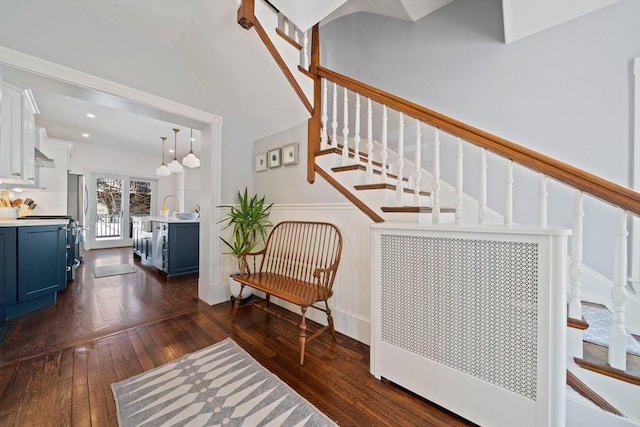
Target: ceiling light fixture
(175, 166)
(91, 115)
(190, 160)
(163, 170)
(85, 135)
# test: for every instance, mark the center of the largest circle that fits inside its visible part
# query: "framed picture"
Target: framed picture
(274, 158)
(261, 162)
(290, 154)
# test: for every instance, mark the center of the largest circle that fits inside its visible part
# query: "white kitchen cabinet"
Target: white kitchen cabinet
(29, 109)
(11, 134)
(17, 136)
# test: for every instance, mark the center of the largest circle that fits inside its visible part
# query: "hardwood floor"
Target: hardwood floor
(57, 364)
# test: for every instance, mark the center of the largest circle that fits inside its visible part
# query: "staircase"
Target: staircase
(371, 146)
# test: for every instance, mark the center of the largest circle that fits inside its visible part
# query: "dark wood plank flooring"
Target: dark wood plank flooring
(57, 364)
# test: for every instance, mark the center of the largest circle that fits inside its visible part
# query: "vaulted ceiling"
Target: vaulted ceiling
(231, 63)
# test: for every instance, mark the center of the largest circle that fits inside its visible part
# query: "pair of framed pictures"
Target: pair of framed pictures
(285, 155)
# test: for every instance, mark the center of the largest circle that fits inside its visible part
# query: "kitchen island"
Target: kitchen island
(32, 264)
(171, 245)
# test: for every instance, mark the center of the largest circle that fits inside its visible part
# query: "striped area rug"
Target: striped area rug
(219, 385)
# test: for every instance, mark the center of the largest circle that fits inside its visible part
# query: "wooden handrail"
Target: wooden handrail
(608, 191)
(248, 19)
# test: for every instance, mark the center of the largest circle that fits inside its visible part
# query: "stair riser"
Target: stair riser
(420, 218)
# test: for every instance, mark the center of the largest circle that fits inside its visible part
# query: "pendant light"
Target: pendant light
(175, 166)
(163, 170)
(190, 160)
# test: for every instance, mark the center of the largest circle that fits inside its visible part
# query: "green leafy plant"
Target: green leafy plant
(249, 220)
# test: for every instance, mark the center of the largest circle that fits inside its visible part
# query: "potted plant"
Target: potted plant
(249, 222)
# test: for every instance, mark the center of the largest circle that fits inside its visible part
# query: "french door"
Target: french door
(113, 199)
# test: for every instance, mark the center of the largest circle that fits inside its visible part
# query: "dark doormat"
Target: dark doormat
(4, 331)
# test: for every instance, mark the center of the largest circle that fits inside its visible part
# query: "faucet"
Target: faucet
(164, 203)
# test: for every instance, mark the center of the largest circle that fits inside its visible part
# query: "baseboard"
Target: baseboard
(213, 293)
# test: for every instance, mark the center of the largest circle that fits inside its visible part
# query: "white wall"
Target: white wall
(288, 184)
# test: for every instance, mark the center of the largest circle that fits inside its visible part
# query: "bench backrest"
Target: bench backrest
(297, 249)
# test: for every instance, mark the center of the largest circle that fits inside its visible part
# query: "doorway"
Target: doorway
(113, 199)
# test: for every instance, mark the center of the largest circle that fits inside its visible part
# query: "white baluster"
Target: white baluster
(418, 165)
(334, 122)
(482, 208)
(618, 340)
(435, 187)
(575, 272)
(305, 50)
(356, 131)
(325, 117)
(542, 200)
(345, 128)
(369, 142)
(400, 182)
(459, 195)
(384, 144)
(508, 197)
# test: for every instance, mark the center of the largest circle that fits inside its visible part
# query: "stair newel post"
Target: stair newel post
(508, 197)
(369, 142)
(325, 117)
(542, 200)
(575, 272)
(459, 175)
(356, 132)
(400, 182)
(418, 165)
(482, 200)
(618, 342)
(435, 190)
(385, 154)
(334, 122)
(345, 128)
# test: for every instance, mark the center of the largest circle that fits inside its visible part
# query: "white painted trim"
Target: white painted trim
(78, 78)
(635, 233)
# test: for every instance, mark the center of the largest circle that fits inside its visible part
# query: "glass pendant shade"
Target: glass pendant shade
(190, 160)
(175, 166)
(163, 170)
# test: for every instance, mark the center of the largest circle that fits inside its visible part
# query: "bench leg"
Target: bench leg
(330, 321)
(303, 333)
(236, 304)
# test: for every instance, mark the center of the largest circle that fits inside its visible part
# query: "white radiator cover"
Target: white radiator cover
(473, 319)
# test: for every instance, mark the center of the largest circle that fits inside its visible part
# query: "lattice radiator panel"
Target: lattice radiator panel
(470, 305)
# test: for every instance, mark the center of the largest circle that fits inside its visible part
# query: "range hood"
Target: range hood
(42, 161)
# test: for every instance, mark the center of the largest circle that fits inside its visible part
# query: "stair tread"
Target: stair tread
(338, 150)
(414, 209)
(358, 166)
(595, 359)
(387, 186)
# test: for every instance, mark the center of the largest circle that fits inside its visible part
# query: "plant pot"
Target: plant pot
(234, 288)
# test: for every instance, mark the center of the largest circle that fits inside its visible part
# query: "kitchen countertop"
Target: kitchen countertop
(33, 222)
(169, 220)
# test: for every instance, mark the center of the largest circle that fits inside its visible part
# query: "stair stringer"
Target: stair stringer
(621, 394)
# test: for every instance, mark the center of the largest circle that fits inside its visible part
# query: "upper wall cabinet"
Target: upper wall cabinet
(17, 136)
(11, 134)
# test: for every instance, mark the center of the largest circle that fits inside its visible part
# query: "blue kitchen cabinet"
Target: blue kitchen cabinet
(40, 267)
(8, 272)
(184, 248)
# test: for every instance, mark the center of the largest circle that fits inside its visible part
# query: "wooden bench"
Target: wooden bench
(298, 265)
